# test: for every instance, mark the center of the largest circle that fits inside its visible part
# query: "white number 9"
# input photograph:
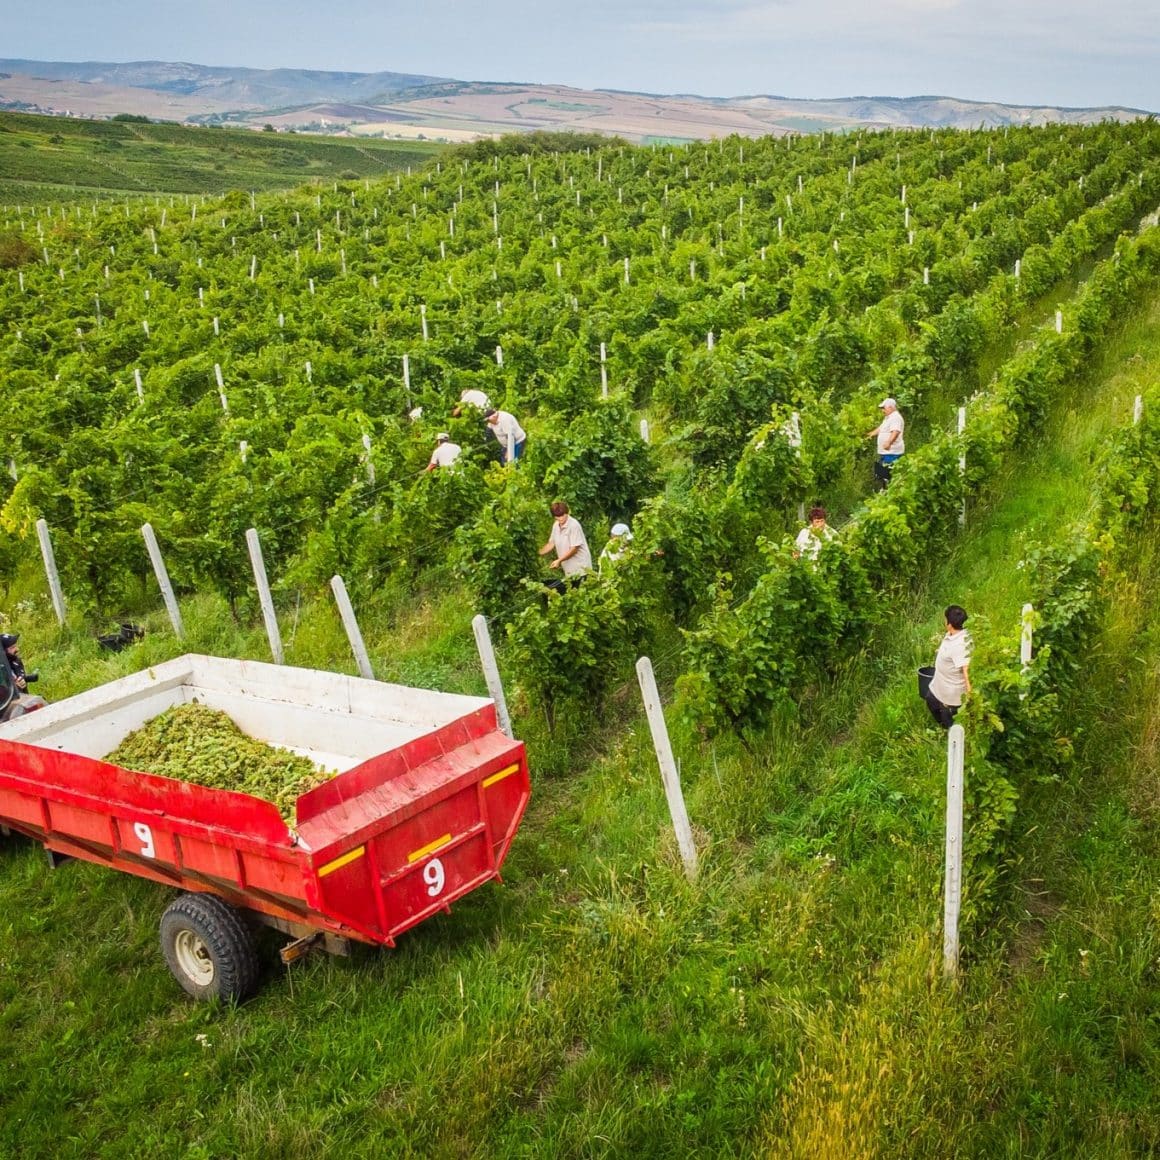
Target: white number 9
(145, 837)
(434, 876)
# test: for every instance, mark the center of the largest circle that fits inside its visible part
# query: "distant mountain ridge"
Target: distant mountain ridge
(236, 87)
(393, 104)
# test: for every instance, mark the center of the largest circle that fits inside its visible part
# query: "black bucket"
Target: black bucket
(925, 676)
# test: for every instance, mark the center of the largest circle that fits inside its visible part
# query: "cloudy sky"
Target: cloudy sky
(1058, 52)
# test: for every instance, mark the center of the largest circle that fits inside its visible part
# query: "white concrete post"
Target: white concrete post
(491, 672)
(217, 374)
(626, 271)
(644, 433)
(268, 614)
(499, 356)
(669, 775)
(709, 340)
(350, 623)
(137, 383)
(50, 569)
(407, 375)
(423, 321)
(963, 467)
(603, 373)
(953, 884)
(1059, 322)
(1138, 410)
(1026, 636)
(162, 574)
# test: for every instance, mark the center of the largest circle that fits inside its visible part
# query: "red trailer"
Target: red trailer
(427, 798)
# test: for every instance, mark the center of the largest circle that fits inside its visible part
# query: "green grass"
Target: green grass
(788, 1003)
(54, 159)
(596, 1003)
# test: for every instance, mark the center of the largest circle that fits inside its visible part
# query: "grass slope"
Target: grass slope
(597, 1004)
(51, 158)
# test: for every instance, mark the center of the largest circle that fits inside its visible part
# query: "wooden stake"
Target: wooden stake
(268, 614)
(669, 774)
(50, 569)
(953, 881)
(162, 574)
(350, 623)
(963, 466)
(491, 673)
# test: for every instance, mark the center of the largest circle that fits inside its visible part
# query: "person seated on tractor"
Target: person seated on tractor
(8, 641)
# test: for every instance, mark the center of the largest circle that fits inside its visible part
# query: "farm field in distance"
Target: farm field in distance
(49, 158)
(283, 360)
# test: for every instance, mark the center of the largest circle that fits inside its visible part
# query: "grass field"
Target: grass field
(56, 158)
(787, 1004)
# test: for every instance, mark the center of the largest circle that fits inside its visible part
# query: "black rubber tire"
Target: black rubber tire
(208, 948)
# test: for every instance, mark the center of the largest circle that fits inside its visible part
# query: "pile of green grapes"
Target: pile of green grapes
(201, 745)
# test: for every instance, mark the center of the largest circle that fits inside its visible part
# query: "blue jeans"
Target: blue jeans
(883, 467)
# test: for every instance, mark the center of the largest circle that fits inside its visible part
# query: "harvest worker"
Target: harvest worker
(952, 677)
(445, 453)
(571, 547)
(811, 538)
(472, 398)
(890, 442)
(509, 433)
(620, 538)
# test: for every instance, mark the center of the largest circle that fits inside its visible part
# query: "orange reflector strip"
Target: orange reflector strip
(338, 863)
(501, 775)
(430, 848)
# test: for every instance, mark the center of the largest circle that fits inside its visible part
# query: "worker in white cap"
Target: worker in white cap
(620, 538)
(445, 453)
(890, 441)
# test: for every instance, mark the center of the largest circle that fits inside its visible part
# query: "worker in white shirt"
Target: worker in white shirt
(890, 441)
(568, 541)
(445, 453)
(472, 398)
(619, 539)
(811, 538)
(508, 433)
(951, 676)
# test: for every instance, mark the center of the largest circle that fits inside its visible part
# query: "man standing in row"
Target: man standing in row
(890, 441)
(508, 432)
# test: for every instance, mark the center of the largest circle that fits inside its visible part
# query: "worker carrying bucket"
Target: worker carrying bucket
(944, 684)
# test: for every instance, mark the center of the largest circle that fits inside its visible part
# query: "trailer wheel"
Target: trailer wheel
(208, 948)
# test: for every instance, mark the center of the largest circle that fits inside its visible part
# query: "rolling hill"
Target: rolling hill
(404, 105)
